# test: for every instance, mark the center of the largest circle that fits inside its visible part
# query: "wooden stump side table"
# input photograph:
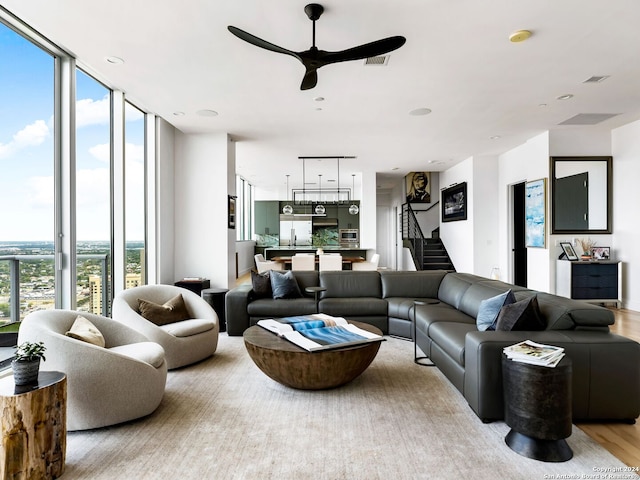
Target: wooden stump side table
(537, 403)
(34, 427)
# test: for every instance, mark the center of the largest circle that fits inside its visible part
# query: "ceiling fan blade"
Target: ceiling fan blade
(373, 49)
(310, 79)
(258, 42)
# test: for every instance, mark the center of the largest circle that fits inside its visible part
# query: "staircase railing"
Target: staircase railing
(412, 235)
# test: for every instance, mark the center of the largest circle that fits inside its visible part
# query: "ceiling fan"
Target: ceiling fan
(314, 58)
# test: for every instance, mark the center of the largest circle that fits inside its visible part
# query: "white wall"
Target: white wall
(204, 176)
(527, 162)
(165, 141)
(458, 236)
(485, 220)
(626, 214)
(368, 214)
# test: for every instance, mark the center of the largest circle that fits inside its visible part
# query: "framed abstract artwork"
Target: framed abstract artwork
(535, 212)
(454, 203)
(232, 211)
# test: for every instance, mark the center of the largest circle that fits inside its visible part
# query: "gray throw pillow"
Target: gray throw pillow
(261, 284)
(490, 308)
(171, 311)
(522, 315)
(284, 285)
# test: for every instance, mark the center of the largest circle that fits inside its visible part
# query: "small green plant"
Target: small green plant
(30, 351)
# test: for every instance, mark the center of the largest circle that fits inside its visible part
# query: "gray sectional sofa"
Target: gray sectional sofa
(606, 367)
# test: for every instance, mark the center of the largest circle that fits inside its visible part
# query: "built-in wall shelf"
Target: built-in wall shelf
(594, 282)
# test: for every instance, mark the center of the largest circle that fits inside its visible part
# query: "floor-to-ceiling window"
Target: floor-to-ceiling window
(134, 181)
(27, 162)
(93, 194)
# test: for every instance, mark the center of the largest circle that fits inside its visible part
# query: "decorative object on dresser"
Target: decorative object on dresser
(568, 251)
(587, 245)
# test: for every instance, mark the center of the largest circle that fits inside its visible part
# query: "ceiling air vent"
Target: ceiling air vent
(379, 60)
(596, 79)
(588, 118)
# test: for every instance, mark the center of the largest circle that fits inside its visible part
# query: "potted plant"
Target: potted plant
(587, 245)
(26, 362)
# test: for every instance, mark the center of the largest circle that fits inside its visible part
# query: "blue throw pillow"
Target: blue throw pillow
(490, 308)
(284, 285)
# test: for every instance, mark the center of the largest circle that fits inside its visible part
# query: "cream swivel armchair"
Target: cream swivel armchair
(121, 381)
(263, 265)
(370, 265)
(330, 262)
(184, 342)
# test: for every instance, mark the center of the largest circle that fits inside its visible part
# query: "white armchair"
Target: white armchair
(184, 342)
(370, 265)
(105, 386)
(263, 265)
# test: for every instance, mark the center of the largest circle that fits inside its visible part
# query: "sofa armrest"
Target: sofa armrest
(236, 301)
(483, 367)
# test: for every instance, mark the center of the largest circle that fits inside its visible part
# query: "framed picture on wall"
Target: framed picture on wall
(232, 211)
(535, 213)
(418, 187)
(454, 203)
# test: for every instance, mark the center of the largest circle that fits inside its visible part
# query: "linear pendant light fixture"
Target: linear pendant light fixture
(320, 208)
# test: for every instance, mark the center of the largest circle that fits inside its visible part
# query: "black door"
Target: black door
(519, 242)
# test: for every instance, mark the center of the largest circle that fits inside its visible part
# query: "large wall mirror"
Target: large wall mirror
(581, 194)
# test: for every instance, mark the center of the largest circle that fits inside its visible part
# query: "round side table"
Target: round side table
(538, 409)
(215, 298)
(34, 433)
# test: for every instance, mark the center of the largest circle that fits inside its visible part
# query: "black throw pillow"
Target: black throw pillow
(261, 284)
(522, 315)
(284, 285)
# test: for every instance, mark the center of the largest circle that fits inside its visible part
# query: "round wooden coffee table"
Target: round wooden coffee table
(295, 367)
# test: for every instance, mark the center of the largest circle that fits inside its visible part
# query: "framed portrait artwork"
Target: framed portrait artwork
(418, 187)
(568, 251)
(232, 211)
(454, 203)
(535, 212)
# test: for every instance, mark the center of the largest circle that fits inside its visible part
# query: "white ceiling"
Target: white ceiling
(457, 61)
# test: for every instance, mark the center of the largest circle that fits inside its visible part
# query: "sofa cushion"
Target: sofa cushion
(173, 310)
(284, 285)
(522, 315)
(490, 308)
(350, 284)
(400, 307)
(269, 308)
(421, 284)
(354, 307)
(187, 328)
(83, 329)
(148, 352)
(450, 337)
(261, 284)
(452, 288)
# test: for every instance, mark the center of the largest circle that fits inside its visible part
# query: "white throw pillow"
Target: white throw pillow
(83, 329)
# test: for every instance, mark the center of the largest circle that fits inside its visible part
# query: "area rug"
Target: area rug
(224, 419)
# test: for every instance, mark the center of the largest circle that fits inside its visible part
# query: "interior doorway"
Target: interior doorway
(519, 248)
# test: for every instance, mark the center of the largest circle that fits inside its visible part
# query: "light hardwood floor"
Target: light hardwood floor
(621, 439)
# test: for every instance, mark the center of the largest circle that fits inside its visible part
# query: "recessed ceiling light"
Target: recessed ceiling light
(420, 111)
(178, 114)
(319, 99)
(519, 36)
(318, 109)
(207, 113)
(542, 105)
(566, 96)
(494, 137)
(394, 168)
(114, 60)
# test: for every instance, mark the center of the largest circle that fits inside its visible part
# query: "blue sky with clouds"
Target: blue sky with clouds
(27, 149)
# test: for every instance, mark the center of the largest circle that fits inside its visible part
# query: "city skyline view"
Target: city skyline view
(27, 149)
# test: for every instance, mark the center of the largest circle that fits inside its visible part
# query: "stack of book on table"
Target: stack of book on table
(319, 331)
(534, 353)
